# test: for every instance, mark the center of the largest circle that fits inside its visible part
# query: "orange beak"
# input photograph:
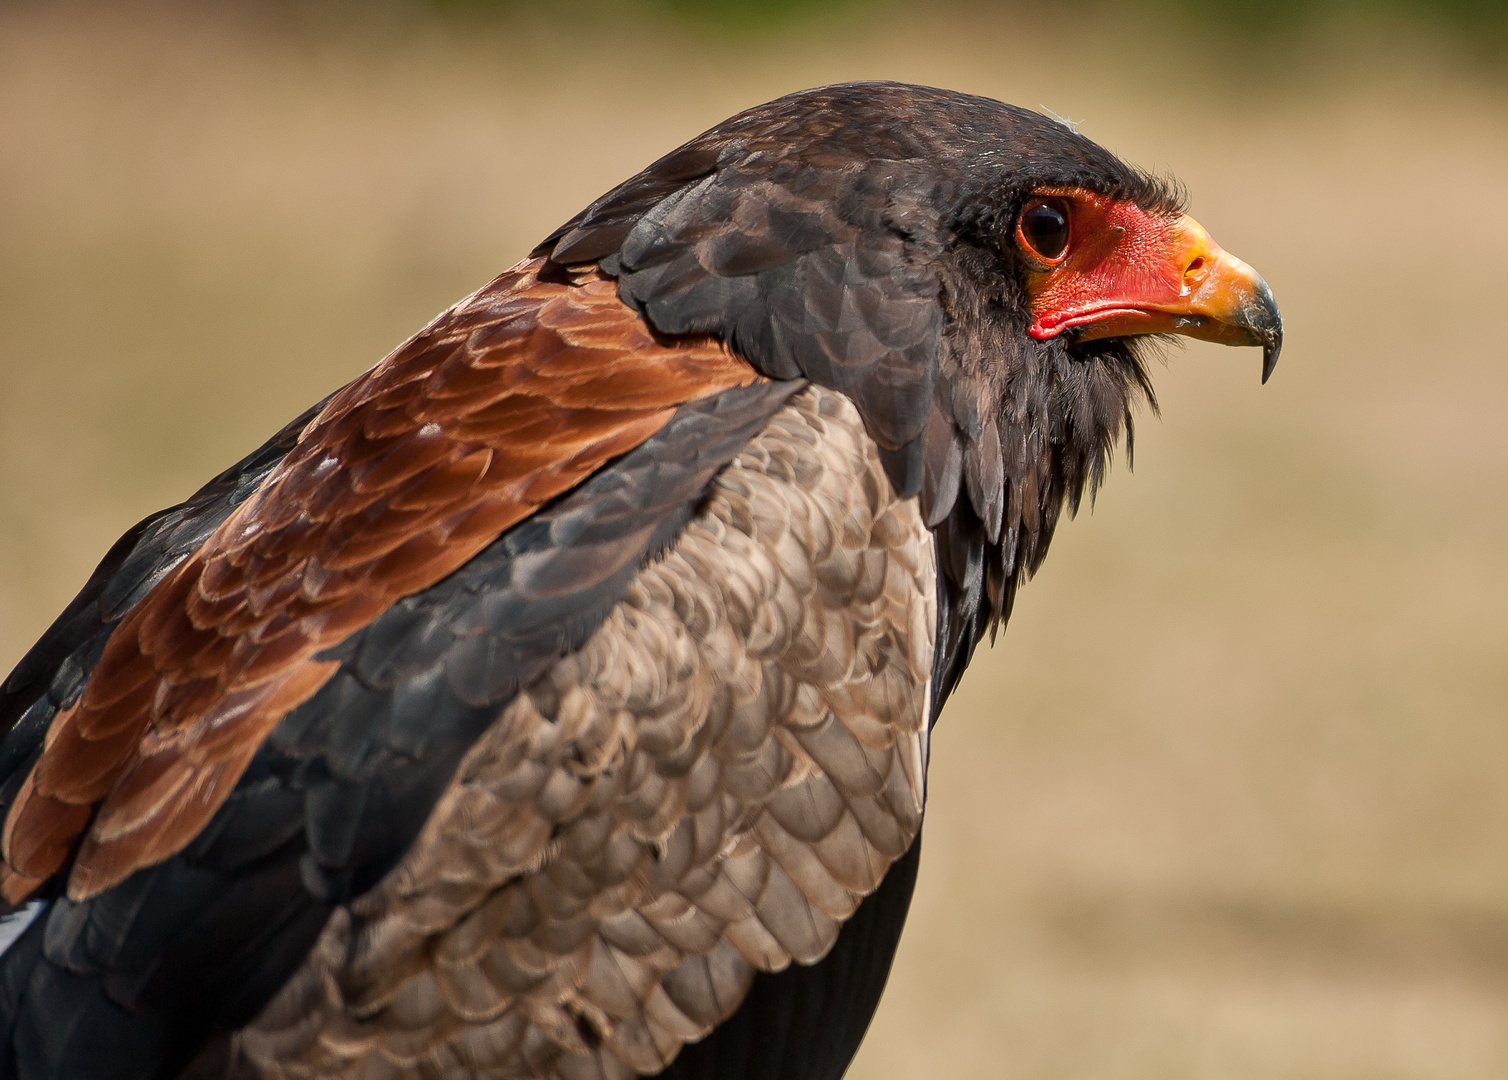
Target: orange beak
(1129, 272)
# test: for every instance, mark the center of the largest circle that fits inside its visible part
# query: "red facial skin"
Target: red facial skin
(1126, 271)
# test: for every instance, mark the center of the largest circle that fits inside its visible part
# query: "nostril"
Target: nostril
(1196, 265)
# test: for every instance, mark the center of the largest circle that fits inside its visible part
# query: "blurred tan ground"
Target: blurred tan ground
(1229, 799)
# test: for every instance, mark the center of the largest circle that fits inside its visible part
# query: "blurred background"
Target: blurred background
(1230, 798)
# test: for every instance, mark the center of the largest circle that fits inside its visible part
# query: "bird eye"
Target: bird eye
(1043, 230)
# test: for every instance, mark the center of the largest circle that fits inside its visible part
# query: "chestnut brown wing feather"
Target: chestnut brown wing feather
(503, 403)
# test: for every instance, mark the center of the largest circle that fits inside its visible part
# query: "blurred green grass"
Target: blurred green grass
(1469, 17)
(1227, 800)
(1476, 29)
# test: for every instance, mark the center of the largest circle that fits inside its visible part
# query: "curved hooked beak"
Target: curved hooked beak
(1167, 278)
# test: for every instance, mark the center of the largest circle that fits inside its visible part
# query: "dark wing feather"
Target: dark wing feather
(199, 942)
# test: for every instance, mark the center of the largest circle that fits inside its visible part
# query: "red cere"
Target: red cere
(1120, 261)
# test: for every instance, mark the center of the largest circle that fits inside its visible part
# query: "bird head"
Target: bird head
(976, 277)
(1094, 266)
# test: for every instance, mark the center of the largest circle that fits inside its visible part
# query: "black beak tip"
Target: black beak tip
(1269, 327)
(1270, 349)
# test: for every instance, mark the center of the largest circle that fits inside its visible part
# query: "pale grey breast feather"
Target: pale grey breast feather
(706, 790)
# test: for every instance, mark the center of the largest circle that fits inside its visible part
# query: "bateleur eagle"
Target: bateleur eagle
(553, 700)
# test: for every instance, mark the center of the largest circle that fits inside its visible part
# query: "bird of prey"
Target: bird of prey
(553, 700)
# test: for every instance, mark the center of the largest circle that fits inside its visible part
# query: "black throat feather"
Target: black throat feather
(1059, 413)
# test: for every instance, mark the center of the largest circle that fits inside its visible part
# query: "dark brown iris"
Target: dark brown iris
(1044, 229)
